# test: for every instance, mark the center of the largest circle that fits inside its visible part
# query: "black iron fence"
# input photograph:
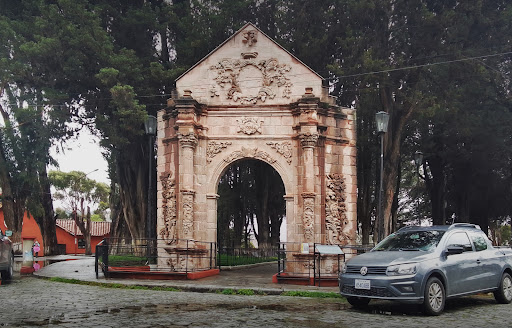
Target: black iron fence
(232, 256)
(313, 261)
(182, 256)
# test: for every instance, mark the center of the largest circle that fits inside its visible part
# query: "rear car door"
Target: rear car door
(489, 267)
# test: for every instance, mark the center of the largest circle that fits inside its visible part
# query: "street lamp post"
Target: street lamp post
(418, 161)
(150, 128)
(382, 119)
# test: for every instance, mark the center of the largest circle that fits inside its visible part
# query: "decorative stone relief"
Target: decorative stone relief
(273, 76)
(335, 211)
(251, 153)
(188, 214)
(249, 125)
(250, 37)
(308, 139)
(168, 232)
(308, 218)
(283, 148)
(215, 147)
(188, 140)
(177, 263)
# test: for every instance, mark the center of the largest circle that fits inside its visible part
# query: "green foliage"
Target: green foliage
(126, 260)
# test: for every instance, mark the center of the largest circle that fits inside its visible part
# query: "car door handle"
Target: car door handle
(478, 261)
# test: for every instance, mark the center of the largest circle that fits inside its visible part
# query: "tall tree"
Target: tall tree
(78, 193)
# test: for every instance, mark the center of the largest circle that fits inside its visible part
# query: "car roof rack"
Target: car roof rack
(465, 225)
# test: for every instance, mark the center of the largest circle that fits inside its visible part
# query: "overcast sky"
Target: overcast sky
(83, 154)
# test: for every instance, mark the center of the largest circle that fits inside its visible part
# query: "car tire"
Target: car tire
(504, 293)
(7, 274)
(434, 297)
(358, 302)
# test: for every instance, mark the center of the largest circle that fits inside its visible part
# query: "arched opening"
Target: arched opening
(251, 208)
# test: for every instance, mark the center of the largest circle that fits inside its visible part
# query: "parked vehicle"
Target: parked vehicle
(6, 255)
(427, 265)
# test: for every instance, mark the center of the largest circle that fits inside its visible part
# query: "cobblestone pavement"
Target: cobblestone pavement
(33, 302)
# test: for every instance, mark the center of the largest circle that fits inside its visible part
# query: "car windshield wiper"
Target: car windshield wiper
(409, 249)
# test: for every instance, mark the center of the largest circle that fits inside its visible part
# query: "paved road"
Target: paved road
(34, 302)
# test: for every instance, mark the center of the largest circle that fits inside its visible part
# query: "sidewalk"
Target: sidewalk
(258, 278)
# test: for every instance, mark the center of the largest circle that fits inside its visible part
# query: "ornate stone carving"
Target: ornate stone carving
(188, 214)
(250, 37)
(283, 148)
(308, 218)
(308, 139)
(215, 147)
(335, 211)
(251, 153)
(177, 263)
(188, 140)
(249, 125)
(168, 232)
(273, 76)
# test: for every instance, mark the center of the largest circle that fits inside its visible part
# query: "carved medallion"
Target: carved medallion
(249, 125)
(273, 76)
(283, 148)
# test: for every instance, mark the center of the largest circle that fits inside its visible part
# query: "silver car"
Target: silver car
(6, 255)
(427, 265)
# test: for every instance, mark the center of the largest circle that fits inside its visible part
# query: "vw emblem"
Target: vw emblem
(364, 271)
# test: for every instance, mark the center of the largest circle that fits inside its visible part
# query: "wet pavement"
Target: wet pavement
(27, 301)
(255, 277)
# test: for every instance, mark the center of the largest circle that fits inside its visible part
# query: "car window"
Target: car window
(479, 242)
(410, 241)
(460, 239)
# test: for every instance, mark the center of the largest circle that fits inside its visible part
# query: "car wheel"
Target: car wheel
(504, 293)
(434, 298)
(7, 274)
(358, 302)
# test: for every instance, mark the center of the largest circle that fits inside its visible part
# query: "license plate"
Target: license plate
(362, 284)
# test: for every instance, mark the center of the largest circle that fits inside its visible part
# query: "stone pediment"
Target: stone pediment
(249, 68)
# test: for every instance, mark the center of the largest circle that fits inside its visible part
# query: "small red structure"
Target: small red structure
(70, 235)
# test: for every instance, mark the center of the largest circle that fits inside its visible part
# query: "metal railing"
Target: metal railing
(146, 255)
(302, 261)
(232, 256)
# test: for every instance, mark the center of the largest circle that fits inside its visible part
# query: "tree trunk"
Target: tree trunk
(47, 222)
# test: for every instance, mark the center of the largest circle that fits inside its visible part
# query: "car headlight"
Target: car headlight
(401, 269)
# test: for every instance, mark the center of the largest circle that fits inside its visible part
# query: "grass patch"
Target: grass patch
(126, 260)
(233, 260)
(248, 292)
(107, 285)
(312, 294)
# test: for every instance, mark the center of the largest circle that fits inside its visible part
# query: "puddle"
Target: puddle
(28, 267)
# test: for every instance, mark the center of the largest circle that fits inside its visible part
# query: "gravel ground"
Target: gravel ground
(33, 302)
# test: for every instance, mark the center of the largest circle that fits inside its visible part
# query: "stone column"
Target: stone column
(188, 143)
(308, 141)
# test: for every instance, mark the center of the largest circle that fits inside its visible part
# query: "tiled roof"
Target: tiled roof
(98, 229)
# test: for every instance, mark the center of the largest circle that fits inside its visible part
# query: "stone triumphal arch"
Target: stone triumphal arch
(250, 98)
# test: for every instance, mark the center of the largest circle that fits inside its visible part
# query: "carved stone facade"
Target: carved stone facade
(251, 99)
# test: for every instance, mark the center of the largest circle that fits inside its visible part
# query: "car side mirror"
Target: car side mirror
(453, 249)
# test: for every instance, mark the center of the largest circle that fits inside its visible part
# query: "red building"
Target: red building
(70, 235)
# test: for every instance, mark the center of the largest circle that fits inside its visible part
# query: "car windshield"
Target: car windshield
(410, 241)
